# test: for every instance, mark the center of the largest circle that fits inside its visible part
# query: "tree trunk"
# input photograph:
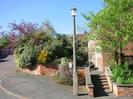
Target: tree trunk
(120, 56)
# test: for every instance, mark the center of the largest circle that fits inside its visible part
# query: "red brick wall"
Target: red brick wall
(100, 63)
(42, 70)
(122, 90)
(128, 50)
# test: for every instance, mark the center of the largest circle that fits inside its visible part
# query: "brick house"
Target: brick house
(100, 59)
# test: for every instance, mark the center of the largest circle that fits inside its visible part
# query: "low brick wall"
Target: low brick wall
(108, 76)
(81, 76)
(42, 70)
(89, 85)
(123, 90)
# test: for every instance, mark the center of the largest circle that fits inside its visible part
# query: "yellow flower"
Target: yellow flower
(42, 56)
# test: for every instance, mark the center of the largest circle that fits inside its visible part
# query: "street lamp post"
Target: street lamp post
(75, 77)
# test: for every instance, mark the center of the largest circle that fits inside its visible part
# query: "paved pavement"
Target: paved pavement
(20, 85)
(24, 86)
(37, 87)
(7, 66)
(4, 95)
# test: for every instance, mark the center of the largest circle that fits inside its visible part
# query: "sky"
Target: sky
(56, 11)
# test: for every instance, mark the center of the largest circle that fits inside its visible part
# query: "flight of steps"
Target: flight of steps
(101, 87)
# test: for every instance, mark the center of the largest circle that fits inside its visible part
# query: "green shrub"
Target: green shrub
(65, 76)
(25, 56)
(122, 74)
(64, 61)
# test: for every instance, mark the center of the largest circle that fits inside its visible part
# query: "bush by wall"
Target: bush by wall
(122, 74)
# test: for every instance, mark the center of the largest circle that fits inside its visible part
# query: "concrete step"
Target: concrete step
(98, 76)
(98, 93)
(101, 83)
(99, 80)
(101, 86)
(102, 75)
(106, 90)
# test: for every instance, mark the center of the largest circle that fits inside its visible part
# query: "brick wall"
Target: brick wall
(42, 70)
(123, 90)
(99, 61)
(128, 50)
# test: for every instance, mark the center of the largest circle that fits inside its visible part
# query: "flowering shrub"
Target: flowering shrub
(42, 56)
(33, 45)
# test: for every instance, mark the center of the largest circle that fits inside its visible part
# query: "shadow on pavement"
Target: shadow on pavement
(100, 93)
(83, 94)
(1, 60)
(2, 57)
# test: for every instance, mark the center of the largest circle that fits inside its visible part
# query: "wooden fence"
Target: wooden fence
(6, 51)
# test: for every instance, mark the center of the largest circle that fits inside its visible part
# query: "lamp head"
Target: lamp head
(73, 11)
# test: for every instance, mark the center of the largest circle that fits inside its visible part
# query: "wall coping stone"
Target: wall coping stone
(123, 85)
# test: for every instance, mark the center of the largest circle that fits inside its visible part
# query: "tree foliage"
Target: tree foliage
(4, 41)
(112, 26)
(81, 49)
(63, 46)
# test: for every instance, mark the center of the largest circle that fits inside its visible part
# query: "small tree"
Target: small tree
(112, 26)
